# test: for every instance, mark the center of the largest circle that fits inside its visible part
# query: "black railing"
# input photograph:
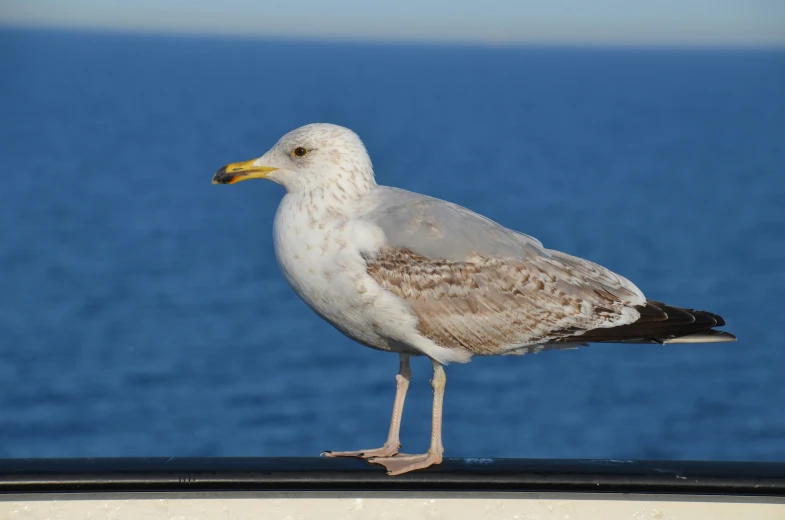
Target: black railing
(319, 474)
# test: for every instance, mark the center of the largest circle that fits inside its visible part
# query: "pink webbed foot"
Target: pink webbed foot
(403, 463)
(388, 450)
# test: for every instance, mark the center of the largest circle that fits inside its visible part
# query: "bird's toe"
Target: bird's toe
(384, 451)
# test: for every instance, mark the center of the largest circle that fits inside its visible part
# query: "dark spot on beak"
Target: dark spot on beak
(223, 177)
(219, 177)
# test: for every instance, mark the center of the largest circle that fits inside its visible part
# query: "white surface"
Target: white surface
(358, 506)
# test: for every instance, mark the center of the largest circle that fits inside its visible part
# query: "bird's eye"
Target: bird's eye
(299, 151)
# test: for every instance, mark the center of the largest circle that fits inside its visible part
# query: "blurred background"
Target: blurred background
(142, 311)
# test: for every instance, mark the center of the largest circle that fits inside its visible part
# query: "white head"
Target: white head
(314, 157)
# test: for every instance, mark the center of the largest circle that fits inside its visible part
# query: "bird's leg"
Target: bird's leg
(393, 443)
(405, 463)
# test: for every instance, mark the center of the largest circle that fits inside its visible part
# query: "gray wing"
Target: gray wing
(476, 285)
(435, 228)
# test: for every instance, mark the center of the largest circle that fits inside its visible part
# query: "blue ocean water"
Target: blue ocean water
(142, 311)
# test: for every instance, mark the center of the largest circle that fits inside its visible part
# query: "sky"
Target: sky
(594, 22)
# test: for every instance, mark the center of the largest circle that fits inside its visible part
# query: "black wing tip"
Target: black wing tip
(663, 324)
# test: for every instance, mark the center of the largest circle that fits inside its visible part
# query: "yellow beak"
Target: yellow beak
(241, 171)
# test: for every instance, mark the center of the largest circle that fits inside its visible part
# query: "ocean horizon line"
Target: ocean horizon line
(395, 42)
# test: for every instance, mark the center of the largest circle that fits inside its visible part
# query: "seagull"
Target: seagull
(402, 272)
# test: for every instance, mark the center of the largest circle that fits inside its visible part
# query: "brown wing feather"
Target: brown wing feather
(495, 306)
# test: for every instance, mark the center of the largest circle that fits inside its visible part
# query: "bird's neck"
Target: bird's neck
(330, 199)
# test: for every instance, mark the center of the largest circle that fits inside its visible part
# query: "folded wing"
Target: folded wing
(476, 285)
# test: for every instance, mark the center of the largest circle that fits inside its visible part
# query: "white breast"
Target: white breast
(320, 254)
(320, 258)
